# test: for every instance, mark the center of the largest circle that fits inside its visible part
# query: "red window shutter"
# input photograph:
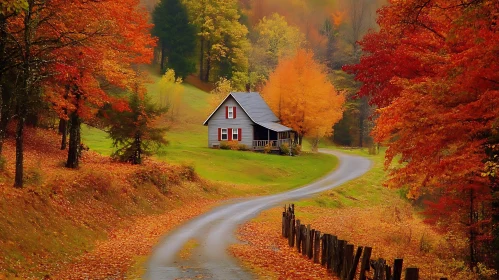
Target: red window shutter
(219, 134)
(239, 134)
(234, 109)
(226, 112)
(230, 134)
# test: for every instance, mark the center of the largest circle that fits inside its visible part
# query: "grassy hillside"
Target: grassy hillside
(252, 172)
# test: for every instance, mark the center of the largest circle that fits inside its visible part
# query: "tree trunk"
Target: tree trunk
(74, 141)
(300, 139)
(23, 98)
(18, 183)
(63, 130)
(208, 63)
(472, 240)
(201, 59)
(138, 149)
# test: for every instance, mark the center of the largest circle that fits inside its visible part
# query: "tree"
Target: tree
(177, 37)
(222, 40)
(134, 131)
(432, 69)
(302, 97)
(171, 93)
(273, 39)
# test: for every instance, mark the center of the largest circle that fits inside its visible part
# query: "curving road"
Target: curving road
(214, 231)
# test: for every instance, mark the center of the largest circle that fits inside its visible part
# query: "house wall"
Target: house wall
(242, 121)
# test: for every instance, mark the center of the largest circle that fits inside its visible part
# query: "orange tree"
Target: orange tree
(302, 97)
(433, 71)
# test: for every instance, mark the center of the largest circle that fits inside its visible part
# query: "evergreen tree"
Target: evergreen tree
(133, 131)
(177, 37)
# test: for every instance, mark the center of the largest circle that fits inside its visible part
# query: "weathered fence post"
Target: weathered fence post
(317, 246)
(355, 264)
(347, 260)
(333, 244)
(324, 249)
(412, 273)
(397, 269)
(310, 250)
(388, 272)
(298, 236)
(364, 265)
(340, 256)
(284, 222)
(291, 237)
(303, 239)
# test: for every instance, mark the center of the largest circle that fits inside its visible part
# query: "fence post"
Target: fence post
(324, 249)
(364, 265)
(355, 264)
(298, 236)
(412, 273)
(340, 256)
(310, 249)
(347, 260)
(303, 239)
(397, 269)
(388, 272)
(284, 222)
(291, 238)
(317, 246)
(333, 244)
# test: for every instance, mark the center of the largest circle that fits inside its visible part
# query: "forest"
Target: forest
(419, 78)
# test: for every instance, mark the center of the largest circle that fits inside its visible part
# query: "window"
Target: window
(234, 134)
(231, 113)
(224, 134)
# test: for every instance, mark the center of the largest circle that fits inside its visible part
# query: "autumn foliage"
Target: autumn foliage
(302, 97)
(432, 70)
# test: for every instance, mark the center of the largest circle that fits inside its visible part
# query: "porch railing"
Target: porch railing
(274, 144)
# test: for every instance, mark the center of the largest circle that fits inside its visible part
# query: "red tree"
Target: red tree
(433, 71)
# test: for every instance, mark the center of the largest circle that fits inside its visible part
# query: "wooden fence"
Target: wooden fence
(338, 256)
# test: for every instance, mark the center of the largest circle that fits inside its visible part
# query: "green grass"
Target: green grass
(251, 172)
(364, 191)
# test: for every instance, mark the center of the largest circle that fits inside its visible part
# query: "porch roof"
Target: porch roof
(277, 127)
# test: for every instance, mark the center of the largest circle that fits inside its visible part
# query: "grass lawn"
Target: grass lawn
(252, 172)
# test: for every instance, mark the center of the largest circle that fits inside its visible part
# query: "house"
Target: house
(245, 117)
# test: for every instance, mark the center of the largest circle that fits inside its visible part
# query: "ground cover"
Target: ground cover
(364, 213)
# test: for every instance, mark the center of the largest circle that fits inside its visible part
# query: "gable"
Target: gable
(252, 104)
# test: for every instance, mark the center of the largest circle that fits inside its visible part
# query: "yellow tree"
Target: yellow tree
(303, 98)
(171, 93)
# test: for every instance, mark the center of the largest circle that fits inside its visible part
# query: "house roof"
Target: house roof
(277, 127)
(257, 110)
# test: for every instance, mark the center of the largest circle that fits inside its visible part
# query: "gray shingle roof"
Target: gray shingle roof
(254, 105)
(277, 127)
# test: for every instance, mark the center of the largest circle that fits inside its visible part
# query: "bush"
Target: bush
(284, 149)
(229, 145)
(267, 149)
(224, 145)
(243, 147)
(296, 150)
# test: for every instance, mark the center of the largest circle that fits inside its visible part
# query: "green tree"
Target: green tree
(273, 39)
(134, 132)
(223, 43)
(177, 37)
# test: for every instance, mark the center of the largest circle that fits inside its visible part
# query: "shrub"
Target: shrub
(267, 149)
(243, 147)
(284, 149)
(234, 145)
(224, 145)
(296, 150)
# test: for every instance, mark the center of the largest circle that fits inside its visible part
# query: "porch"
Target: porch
(272, 134)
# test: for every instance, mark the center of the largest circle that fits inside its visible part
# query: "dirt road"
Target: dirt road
(214, 231)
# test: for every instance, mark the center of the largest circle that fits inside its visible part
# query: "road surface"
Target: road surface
(214, 230)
